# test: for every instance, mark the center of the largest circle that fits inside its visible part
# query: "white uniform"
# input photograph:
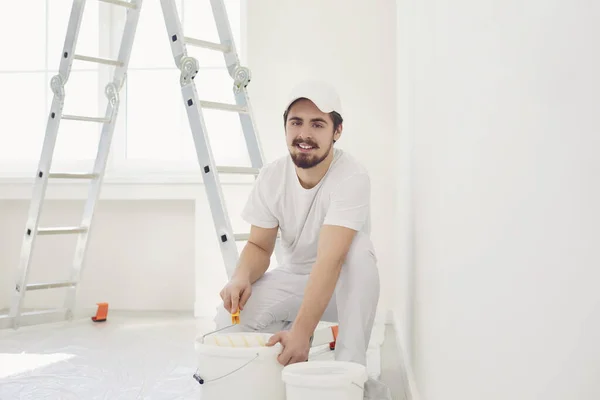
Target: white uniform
(342, 198)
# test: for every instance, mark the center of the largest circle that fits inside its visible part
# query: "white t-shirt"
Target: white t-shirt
(342, 198)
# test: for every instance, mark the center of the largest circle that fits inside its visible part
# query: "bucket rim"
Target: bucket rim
(298, 374)
(236, 352)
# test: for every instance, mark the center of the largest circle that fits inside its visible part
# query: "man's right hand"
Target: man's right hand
(236, 293)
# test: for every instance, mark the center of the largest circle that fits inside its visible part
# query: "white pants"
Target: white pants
(276, 298)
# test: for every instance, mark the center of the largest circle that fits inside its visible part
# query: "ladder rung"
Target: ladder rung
(223, 106)
(64, 175)
(206, 45)
(34, 317)
(120, 3)
(53, 285)
(98, 60)
(238, 170)
(241, 236)
(245, 236)
(62, 230)
(90, 119)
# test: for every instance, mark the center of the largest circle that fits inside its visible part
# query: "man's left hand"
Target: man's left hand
(296, 346)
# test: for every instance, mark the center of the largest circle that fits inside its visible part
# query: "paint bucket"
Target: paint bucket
(239, 366)
(324, 380)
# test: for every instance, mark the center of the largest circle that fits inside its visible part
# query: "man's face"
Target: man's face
(309, 134)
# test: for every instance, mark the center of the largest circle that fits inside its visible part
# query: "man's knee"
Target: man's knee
(361, 263)
(252, 318)
(274, 301)
(222, 318)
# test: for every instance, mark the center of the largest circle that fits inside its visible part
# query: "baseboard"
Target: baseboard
(394, 320)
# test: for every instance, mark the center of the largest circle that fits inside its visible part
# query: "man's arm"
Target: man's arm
(347, 214)
(255, 257)
(252, 264)
(334, 243)
(348, 211)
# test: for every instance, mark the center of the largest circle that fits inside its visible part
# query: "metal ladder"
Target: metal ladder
(189, 68)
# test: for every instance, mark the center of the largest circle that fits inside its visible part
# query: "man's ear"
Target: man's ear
(338, 133)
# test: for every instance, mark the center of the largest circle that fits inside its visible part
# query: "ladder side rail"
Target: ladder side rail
(210, 176)
(225, 35)
(242, 77)
(70, 44)
(189, 67)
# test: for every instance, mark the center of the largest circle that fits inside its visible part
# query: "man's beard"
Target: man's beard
(304, 160)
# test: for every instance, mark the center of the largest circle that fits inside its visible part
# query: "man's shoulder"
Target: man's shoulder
(348, 165)
(274, 170)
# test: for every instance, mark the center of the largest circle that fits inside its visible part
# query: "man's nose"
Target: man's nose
(304, 133)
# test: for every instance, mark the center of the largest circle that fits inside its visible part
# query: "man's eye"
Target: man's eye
(318, 125)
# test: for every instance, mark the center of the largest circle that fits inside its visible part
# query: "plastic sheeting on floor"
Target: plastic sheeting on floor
(126, 357)
(129, 356)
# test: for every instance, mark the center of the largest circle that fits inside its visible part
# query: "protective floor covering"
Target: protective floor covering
(127, 357)
(122, 358)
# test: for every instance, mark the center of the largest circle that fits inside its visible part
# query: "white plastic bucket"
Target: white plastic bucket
(324, 380)
(239, 366)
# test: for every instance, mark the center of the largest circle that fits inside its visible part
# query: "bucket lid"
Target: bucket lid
(325, 373)
(237, 339)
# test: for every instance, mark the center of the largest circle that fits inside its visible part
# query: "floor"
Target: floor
(130, 356)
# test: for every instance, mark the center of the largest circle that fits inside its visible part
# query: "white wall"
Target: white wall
(350, 44)
(140, 256)
(402, 299)
(506, 199)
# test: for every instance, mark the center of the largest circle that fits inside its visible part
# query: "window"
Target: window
(152, 134)
(31, 59)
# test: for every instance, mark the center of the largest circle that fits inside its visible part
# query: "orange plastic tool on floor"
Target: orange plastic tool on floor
(101, 313)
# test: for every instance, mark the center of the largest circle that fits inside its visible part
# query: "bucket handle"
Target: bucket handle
(215, 331)
(203, 381)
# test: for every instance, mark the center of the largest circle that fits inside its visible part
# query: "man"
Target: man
(319, 199)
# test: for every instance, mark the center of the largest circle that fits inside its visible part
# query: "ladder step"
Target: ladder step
(64, 175)
(238, 170)
(62, 230)
(105, 61)
(120, 3)
(206, 45)
(52, 285)
(90, 119)
(34, 317)
(224, 106)
(239, 237)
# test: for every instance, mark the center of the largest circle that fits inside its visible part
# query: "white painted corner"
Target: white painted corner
(409, 376)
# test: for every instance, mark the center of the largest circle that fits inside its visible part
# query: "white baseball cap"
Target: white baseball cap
(321, 93)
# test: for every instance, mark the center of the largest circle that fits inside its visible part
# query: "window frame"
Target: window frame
(119, 169)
